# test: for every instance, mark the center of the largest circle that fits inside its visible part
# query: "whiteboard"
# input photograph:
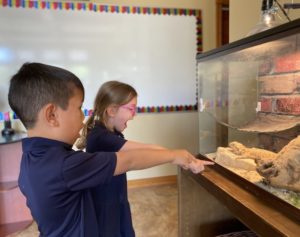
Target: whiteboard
(154, 53)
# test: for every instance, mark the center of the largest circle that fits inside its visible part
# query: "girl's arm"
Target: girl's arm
(146, 158)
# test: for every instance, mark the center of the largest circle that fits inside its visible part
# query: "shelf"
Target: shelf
(6, 186)
(6, 229)
(255, 212)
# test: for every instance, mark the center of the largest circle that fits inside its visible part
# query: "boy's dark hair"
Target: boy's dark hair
(36, 85)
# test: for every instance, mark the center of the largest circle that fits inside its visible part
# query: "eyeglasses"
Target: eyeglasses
(131, 108)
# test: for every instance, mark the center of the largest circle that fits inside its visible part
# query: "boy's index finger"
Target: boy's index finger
(206, 162)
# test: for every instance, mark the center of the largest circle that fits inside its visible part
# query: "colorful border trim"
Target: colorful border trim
(157, 109)
(172, 108)
(88, 6)
(64, 5)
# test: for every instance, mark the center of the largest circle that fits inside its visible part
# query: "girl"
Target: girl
(115, 105)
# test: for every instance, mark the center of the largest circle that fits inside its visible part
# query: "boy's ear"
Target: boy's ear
(50, 114)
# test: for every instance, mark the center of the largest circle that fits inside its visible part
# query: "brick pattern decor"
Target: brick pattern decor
(279, 93)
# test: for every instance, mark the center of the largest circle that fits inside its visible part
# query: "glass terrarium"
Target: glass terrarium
(249, 109)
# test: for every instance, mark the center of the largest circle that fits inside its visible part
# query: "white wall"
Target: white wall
(245, 14)
(172, 130)
(207, 7)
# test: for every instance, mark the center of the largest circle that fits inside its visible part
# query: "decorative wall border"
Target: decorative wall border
(89, 6)
(157, 109)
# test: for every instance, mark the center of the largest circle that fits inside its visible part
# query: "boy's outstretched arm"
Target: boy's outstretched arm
(133, 145)
(146, 158)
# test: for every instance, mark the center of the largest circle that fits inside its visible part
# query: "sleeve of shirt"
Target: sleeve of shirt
(103, 140)
(83, 170)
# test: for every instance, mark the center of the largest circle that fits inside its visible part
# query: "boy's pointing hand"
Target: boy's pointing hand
(197, 166)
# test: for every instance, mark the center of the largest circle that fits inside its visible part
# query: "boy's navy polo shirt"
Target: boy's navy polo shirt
(57, 182)
(111, 199)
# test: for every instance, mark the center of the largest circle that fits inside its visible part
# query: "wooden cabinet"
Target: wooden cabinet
(212, 203)
(14, 214)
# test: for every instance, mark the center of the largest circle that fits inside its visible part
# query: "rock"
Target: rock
(284, 170)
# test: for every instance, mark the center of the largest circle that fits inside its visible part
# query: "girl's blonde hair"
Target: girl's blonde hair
(110, 93)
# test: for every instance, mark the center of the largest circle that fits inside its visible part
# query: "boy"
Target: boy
(55, 179)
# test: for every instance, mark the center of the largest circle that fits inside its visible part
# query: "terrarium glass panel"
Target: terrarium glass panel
(249, 111)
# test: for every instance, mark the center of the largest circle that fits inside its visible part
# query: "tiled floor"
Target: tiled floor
(154, 212)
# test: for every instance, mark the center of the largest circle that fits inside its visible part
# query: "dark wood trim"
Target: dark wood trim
(220, 4)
